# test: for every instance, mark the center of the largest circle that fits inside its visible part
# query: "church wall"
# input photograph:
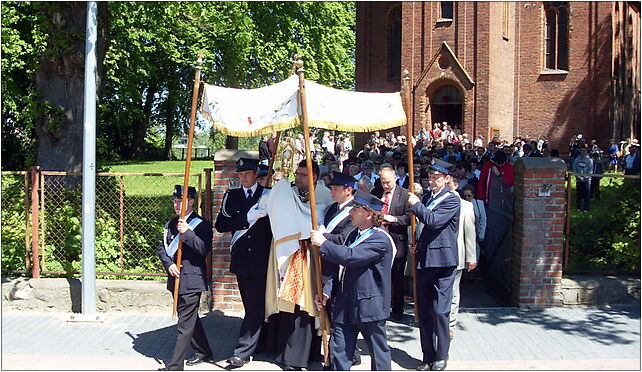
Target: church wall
(562, 104)
(502, 69)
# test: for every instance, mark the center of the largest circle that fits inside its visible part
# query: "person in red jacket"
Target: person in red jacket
(498, 168)
(494, 188)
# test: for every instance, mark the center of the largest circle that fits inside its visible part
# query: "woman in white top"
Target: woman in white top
(467, 193)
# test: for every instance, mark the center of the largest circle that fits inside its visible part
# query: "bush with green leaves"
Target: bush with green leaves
(608, 237)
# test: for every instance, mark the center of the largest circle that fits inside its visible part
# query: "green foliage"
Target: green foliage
(608, 237)
(13, 223)
(149, 64)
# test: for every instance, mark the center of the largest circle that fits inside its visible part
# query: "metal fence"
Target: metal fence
(131, 210)
(605, 239)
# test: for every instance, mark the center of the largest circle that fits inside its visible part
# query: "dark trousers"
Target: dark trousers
(190, 332)
(344, 342)
(296, 339)
(434, 292)
(253, 296)
(398, 282)
(583, 194)
(595, 187)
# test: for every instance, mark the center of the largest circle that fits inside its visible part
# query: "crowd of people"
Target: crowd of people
(462, 200)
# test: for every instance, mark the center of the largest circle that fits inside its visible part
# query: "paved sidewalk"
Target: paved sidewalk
(486, 339)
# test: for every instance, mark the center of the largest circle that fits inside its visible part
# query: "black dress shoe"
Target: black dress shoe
(197, 360)
(163, 369)
(237, 361)
(424, 367)
(439, 365)
(288, 367)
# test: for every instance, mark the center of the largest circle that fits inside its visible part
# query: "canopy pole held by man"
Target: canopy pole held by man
(313, 211)
(188, 163)
(411, 175)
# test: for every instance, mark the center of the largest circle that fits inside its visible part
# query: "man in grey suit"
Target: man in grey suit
(436, 265)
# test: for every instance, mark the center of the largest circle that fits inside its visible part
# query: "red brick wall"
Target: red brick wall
(558, 106)
(538, 230)
(555, 106)
(225, 293)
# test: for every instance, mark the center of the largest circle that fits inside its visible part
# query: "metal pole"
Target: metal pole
(89, 171)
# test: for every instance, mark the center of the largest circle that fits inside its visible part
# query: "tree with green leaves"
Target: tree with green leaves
(149, 52)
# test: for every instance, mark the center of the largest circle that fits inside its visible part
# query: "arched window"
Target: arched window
(446, 9)
(394, 42)
(556, 35)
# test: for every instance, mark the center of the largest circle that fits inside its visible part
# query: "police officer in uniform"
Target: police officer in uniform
(436, 265)
(361, 300)
(246, 218)
(195, 232)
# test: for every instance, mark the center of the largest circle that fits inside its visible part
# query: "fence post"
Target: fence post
(27, 223)
(35, 231)
(122, 224)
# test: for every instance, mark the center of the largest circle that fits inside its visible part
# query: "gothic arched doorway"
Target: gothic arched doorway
(446, 104)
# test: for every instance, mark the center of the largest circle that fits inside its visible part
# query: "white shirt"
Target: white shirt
(253, 188)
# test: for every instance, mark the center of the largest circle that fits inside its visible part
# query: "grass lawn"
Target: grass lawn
(152, 186)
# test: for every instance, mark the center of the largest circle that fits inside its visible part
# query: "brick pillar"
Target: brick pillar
(538, 234)
(225, 293)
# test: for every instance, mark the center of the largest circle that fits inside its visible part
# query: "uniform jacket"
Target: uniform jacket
(398, 208)
(249, 254)
(466, 238)
(196, 244)
(438, 239)
(338, 235)
(364, 293)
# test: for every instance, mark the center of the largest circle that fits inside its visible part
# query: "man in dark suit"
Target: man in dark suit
(338, 225)
(402, 176)
(396, 220)
(246, 218)
(436, 265)
(195, 233)
(362, 289)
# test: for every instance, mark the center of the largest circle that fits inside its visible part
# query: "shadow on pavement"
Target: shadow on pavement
(603, 325)
(159, 343)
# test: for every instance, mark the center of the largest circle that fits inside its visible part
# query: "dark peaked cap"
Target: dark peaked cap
(340, 179)
(440, 167)
(363, 199)
(245, 164)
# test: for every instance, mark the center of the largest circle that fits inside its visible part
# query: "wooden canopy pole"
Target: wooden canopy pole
(411, 174)
(313, 210)
(188, 163)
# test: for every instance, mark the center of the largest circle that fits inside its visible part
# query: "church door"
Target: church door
(446, 104)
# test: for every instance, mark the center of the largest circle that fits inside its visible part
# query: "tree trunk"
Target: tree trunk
(60, 81)
(232, 142)
(140, 126)
(169, 119)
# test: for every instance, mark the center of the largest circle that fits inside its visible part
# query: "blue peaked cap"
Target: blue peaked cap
(340, 179)
(362, 199)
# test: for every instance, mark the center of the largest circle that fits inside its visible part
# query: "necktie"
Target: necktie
(386, 201)
(249, 193)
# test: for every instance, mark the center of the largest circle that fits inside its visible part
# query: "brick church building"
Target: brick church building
(507, 69)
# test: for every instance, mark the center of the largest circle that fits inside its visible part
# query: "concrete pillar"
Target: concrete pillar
(225, 293)
(538, 233)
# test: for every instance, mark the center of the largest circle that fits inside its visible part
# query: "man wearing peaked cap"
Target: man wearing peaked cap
(244, 215)
(262, 175)
(337, 224)
(436, 264)
(195, 233)
(360, 292)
